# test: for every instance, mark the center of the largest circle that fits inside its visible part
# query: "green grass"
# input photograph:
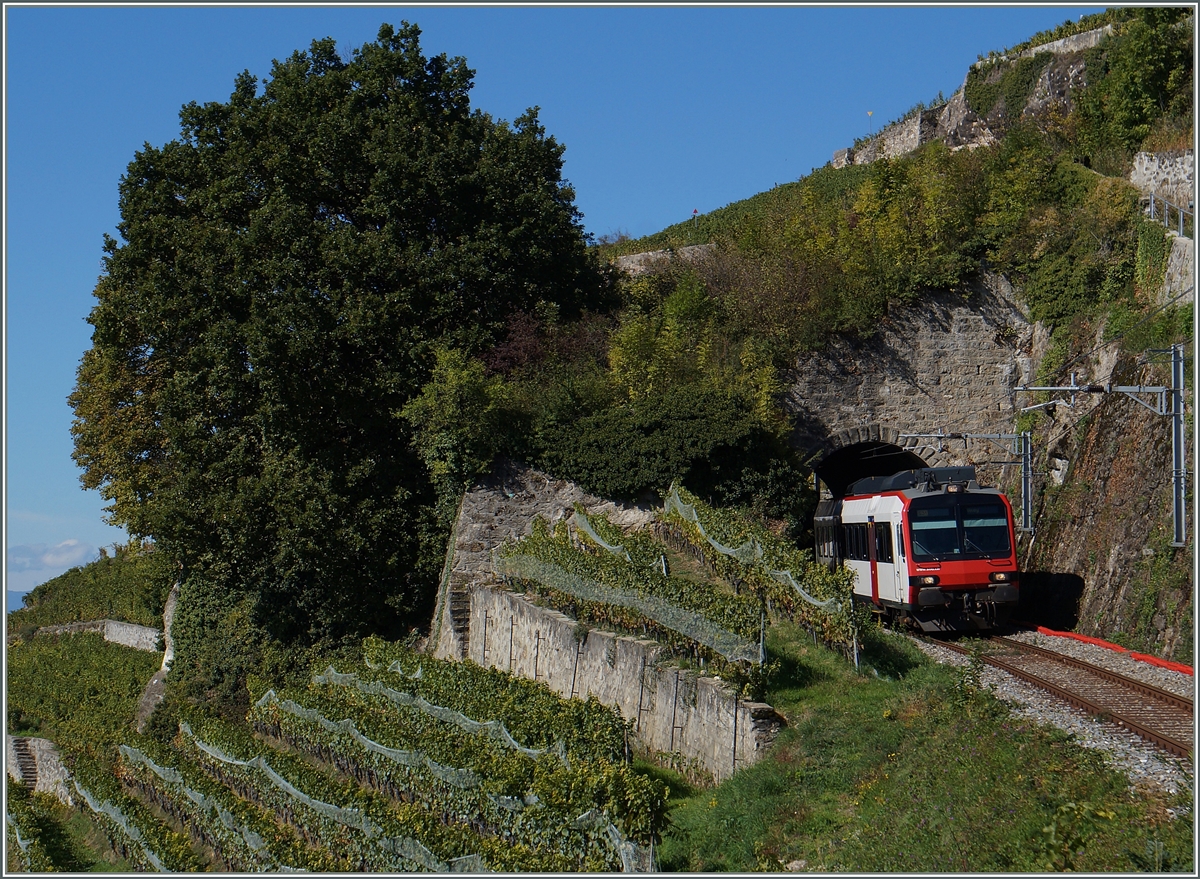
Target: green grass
(914, 770)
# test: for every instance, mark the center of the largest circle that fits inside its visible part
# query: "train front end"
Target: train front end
(929, 546)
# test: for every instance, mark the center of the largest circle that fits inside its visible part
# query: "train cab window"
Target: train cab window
(883, 543)
(985, 528)
(934, 531)
(946, 527)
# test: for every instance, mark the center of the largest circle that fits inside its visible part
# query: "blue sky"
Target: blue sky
(662, 110)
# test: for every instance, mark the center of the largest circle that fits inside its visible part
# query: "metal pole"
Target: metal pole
(512, 623)
(1026, 482)
(537, 648)
(575, 671)
(762, 638)
(1177, 446)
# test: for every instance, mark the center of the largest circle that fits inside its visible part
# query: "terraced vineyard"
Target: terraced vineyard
(398, 762)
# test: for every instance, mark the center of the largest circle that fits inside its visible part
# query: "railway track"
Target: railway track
(1159, 717)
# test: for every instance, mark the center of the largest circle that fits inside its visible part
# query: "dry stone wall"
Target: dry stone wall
(674, 711)
(655, 260)
(1180, 280)
(478, 618)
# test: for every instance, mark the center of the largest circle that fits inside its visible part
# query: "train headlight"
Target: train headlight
(1002, 576)
(929, 580)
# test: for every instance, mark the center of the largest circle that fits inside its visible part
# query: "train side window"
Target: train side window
(860, 542)
(900, 541)
(883, 544)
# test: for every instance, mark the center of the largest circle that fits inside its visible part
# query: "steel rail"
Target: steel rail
(1138, 728)
(1177, 701)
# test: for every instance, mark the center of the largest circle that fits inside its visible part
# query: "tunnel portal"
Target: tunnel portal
(857, 454)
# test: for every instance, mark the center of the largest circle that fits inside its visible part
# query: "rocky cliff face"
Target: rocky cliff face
(959, 127)
(1101, 562)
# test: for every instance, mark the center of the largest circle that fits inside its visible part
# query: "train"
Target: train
(929, 548)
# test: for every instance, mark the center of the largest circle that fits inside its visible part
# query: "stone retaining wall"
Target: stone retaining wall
(674, 711)
(52, 775)
(502, 629)
(128, 634)
(1169, 174)
(1065, 46)
(1180, 279)
(655, 260)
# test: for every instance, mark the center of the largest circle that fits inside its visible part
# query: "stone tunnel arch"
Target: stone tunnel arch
(859, 452)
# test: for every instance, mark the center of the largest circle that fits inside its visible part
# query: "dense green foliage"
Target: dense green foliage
(988, 83)
(358, 851)
(130, 585)
(286, 269)
(50, 679)
(469, 778)
(1140, 87)
(213, 816)
(675, 395)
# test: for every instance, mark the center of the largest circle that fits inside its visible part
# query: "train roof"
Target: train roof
(924, 479)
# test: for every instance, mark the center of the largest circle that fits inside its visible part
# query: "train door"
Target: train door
(883, 566)
(900, 568)
(871, 534)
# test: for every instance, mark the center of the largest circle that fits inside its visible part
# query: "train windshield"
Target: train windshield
(954, 526)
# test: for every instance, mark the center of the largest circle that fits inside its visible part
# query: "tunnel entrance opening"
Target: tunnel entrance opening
(843, 466)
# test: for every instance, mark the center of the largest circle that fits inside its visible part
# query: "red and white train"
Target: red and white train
(929, 546)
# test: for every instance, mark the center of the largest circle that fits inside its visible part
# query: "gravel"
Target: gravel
(1142, 762)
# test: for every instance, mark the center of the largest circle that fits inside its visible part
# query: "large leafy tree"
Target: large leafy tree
(286, 269)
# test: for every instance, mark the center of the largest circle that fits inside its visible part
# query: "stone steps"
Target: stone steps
(26, 762)
(460, 613)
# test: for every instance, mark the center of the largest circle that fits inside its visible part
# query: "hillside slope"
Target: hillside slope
(868, 280)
